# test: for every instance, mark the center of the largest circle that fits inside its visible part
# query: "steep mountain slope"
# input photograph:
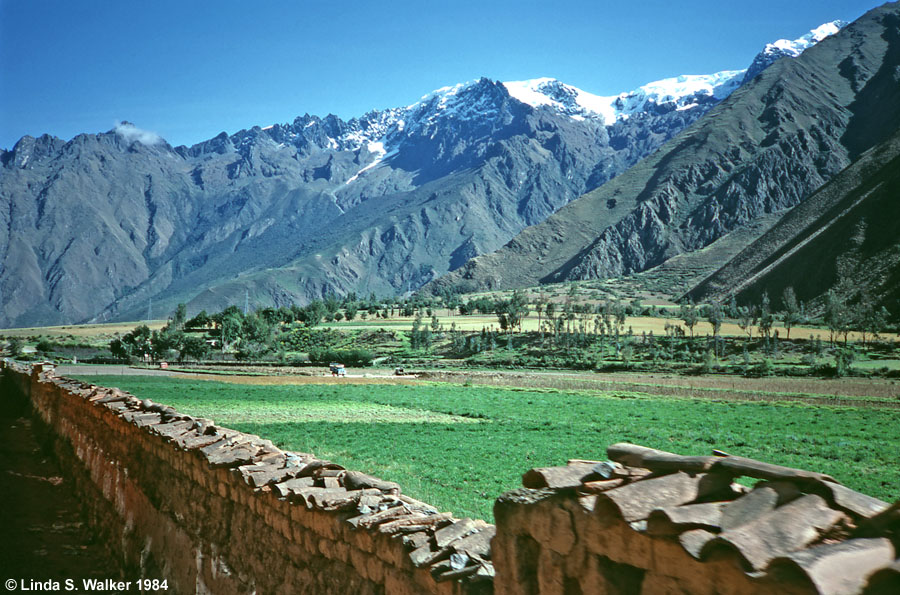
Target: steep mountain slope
(845, 236)
(97, 227)
(784, 48)
(763, 150)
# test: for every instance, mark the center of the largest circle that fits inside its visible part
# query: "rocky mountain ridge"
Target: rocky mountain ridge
(763, 150)
(97, 227)
(843, 238)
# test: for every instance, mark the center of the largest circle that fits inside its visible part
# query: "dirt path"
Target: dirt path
(813, 390)
(860, 392)
(109, 370)
(353, 376)
(43, 536)
(279, 380)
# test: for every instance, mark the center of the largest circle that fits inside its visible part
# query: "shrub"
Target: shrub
(307, 339)
(764, 368)
(14, 347)
(45, 346)
(348, 357)
(843, 359)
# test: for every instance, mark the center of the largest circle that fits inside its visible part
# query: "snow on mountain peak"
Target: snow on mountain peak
(826, 30)
(440, 97)
(380, 132)
(795, 47)
(564, 98)
(682, 92)
(790, 48)
(718, 85)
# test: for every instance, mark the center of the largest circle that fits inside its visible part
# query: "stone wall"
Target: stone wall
(651, 522)
(212, 510)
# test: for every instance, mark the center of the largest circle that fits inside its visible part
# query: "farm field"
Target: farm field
(638, 324)
(878, 392)
(101, 330)
(459, 447)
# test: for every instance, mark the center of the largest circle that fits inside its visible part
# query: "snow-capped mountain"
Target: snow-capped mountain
(680, 93)
(385, 202)
(790, 48)
(766, 150)
(381, 132)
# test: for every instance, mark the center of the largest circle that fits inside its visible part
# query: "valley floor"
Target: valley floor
(460, 444)
(872, 392)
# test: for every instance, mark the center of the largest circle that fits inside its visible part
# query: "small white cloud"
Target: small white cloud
(132, 133)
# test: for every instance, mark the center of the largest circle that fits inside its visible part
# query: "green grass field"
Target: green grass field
(459, 447)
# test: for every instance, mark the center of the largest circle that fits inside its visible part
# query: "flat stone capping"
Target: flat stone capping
(214, 510)
(649, 521)
(245, 514)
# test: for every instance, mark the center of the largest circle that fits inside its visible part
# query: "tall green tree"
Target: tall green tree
(230, 328)
(869, 319)
(165, 342)
(689, 315)
(135, 344)
(790, 316)
(193, 347)
(256, 337)
(511, 312)
(837, 315)
(313, 313)
(732, 310)
(420, 336)
(715, 316)
(747, 319)
(201, 320)
(766, 318)
(179, 316)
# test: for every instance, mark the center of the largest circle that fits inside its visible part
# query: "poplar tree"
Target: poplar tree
(791, 314)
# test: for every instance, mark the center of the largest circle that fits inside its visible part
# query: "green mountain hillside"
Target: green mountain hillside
(846, 236)
(765, 149)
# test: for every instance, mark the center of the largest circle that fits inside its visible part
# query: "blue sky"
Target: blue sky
(189, 70)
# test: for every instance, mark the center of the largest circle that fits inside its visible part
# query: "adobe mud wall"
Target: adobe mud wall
(212, 510)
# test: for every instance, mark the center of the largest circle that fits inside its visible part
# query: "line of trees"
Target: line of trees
(839, 316)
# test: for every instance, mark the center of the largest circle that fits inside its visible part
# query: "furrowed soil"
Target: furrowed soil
(859, 392)
(460, 446)
(846, 391)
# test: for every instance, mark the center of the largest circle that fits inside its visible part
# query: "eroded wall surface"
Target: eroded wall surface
(212, 510)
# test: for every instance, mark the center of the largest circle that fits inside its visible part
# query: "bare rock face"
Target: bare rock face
(846, 228)
(95, 227)
(764, 150)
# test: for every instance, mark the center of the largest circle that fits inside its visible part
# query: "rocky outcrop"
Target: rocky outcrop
(763, 150)
(842, 238)
(95, 228)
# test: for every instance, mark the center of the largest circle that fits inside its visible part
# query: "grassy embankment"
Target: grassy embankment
(459, 447)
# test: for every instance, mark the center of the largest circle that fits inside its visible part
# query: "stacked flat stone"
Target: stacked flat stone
(661, 522)
(454, 551)
(228, 512)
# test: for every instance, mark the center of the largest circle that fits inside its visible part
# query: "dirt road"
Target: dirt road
(44, 534)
